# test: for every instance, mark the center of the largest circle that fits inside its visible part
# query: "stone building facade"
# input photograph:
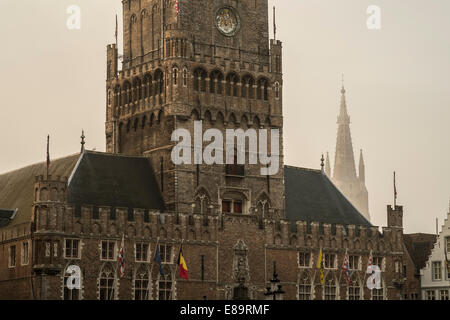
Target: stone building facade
(209, 61)
(435, 274)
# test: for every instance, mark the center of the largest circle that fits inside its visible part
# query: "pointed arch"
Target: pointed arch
(232, 84)
(354, 290)
(107, 282)
(202, 201)
(331, 287)
(142, 283)
(305, 286)
(200, 80)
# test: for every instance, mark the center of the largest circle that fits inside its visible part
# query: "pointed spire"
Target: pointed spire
(343, 114)
(328, 166)
(48, 155)
(344, 164)
(362, 168)
(82, 141)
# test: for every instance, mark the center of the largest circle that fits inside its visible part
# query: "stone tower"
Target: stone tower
(187, 61)
(344, 173)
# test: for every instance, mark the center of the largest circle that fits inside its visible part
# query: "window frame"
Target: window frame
(114, 250)
(309, 256)
(25, 253)
(12, 256)
(72, 240)
(434, 269)
(144, 250)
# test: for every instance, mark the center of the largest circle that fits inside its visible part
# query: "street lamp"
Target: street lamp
(274, 292)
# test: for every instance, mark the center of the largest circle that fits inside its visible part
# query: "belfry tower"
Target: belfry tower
(344, 173)
(187, 61)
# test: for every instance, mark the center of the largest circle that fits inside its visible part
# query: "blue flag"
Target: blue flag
(158, 260)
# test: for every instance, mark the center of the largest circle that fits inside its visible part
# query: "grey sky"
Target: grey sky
(397, 81)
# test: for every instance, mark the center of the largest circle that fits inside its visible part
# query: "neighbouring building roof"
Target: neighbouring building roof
(419, 246)
(311, 196)
(102, 179)
(17, 187)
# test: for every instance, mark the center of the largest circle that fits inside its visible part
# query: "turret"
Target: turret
(395, 216)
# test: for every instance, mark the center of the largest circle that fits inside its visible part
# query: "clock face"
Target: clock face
(227, 21)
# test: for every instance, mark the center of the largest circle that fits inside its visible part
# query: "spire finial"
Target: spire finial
(48, 155)
(322, 163)
(343, 86)
(395, 192)
(82, 141)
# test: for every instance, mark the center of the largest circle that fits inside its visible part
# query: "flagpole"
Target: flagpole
(48, 155)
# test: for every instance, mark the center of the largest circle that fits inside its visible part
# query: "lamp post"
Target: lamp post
(274, 292)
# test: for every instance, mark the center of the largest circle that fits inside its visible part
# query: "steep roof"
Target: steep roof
(103, 179)
(16, 187)
(419, 246)
(311, 196)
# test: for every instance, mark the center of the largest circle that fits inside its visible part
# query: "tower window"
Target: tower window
(175, 76)
(185, 77)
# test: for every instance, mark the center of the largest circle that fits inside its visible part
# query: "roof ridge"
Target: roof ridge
(35, 164)
(304, 169)
(110, 154)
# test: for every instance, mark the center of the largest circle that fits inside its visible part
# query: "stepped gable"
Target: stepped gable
(17, 187)
(103, 179)
(311, 196)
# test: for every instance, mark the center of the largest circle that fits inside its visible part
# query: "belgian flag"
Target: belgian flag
(183, 267)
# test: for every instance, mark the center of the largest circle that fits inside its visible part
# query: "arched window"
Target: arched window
(165, 286)
(305, 287)
(107, 284)
(263, 206)
(200, 80)
(117, 96)
(159, 79)
(247, 87)
(216, 79)
(263, 89)
(70, 294)
(142, 285)
(127, 93)
(232, 85)
(175, 76)
(185, 77)
(202, 203)
(277, 90)
(137, 89)
(354, 290)
(147, 86)
(330, 288)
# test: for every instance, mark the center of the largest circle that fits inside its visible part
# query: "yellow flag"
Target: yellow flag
(321, 268)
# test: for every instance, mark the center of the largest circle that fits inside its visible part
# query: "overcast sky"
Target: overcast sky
(397, 81)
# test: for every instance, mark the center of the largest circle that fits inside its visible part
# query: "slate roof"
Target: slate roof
(311, 196)
(17, 187)
(419, 246)
(102, 179)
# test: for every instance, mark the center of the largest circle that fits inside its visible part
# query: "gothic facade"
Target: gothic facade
(209, 61)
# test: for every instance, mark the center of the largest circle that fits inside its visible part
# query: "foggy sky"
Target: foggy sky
(397, 81)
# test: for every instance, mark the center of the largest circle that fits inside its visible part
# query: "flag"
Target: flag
(177, 6)
(48, 152)
(121, 257)
(183, 267)
(370, 269)
(346, 267)
(321, 267)
(158, 259)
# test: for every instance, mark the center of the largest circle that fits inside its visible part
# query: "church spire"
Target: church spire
(328, 166)
(362, 168)
(344, 164)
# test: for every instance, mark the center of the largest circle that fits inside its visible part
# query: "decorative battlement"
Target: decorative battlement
(50, 188)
